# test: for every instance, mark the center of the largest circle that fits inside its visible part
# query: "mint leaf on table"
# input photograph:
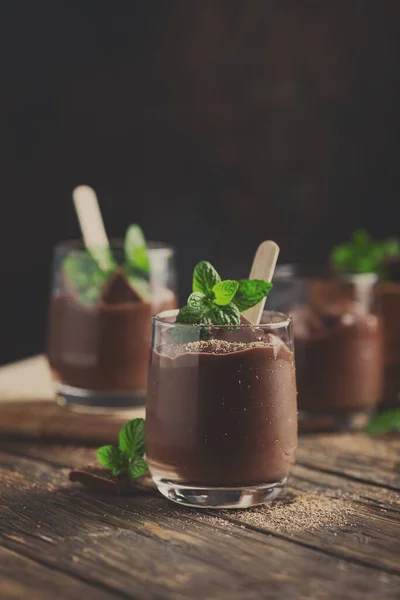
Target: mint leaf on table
(113, 458)
(250, 292)
(128, 457)
(131, 438)
(216, 301)
(386, 422)
(136, 255)
(224, 291)
(137, 468)
(204, 278)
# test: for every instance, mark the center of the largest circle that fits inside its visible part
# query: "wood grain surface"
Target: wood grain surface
(334, 534)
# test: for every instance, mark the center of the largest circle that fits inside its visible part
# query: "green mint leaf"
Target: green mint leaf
(195, 313)
(89, 296)
(250, 293)
(141, 287)
(385, 422)
(189, 314)
(136, 250)
(182, 334)
(83, 273)
(113, 458)
(122, 468)
(198, 302)
(132, 438)
(224, 291)
(360, 255)
(391, 247)
(361, 238)
(103, 257)
(204, 278)
(225, 315)
(138, 467)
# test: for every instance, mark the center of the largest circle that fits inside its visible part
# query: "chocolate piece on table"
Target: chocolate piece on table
(100, 479)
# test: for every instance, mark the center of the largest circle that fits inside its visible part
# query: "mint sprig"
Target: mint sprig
(391, 247)
(113, 458)
(88, 271)
(224, 291)
(386, 422)
(104, 258)
(136, 256)
(362, 254)
(216, 301)
(127, 458)
(205, 277)
(250, 292)
(84, 274)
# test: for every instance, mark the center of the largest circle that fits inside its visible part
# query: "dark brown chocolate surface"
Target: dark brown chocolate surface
(104, 347)
(222, 413)
(97, 478)
(339, 359)
(389, 299)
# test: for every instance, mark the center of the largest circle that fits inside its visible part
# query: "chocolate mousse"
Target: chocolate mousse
(339, 356)
(221, 412)
(389, 299)
(104, 346)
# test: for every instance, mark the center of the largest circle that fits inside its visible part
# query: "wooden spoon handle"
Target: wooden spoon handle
(263, 268)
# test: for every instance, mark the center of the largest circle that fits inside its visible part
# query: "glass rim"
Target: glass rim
(77, 245)
(285, 321)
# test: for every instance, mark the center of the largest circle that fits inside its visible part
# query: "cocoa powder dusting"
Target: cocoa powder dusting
(297, 512)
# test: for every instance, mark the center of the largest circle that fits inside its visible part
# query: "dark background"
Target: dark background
(215, 124)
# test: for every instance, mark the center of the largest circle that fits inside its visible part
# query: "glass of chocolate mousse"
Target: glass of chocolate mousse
(338, 341)
(389, 301)
(221, 410)
(99, 325)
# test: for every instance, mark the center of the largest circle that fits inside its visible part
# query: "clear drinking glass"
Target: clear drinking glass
(338, 341)
(221, 411)
(99, 328)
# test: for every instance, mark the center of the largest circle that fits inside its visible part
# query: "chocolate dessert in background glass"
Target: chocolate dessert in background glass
(221, 411)
(99, 325)
(338, 342)
(389, 301)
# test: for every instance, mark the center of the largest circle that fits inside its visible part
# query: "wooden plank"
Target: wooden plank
(348, 519)
(42, 420)
(23, 577)
(374, 460)
(357, 522)
(27, 380)
(358, 456)
(149, 548)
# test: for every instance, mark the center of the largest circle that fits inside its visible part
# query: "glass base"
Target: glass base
(223, 497)
(311, 422)
(98, 401)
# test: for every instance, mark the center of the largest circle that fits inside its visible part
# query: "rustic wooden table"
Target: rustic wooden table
(334, 534)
